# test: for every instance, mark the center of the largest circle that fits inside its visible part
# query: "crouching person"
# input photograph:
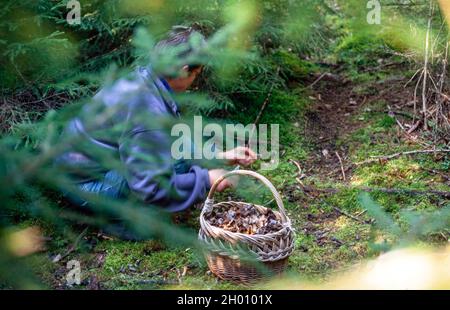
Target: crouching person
(125, 125)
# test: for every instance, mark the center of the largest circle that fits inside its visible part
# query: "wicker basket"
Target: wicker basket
(223, 248)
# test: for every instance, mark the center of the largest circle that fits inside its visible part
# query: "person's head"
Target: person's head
(180, 36)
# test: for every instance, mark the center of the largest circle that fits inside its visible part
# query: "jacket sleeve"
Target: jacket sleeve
(151, 174)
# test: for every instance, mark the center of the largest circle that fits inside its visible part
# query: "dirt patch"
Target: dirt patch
(329, 119)
(334, 115)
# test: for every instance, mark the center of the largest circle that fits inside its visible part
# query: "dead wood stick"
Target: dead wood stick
(263, 107)
(351, 216)
(73, 247)
(361, 213)
(425, 69)
(346, 213)
(317, 80)
(412, 78)
(381, 189)
(400, 124)
(397, 113)
(413, 128)
(437, 172)
(387, 157)
(407, 191)
(383, 66)
(342, 166)
(408, 132)
(415, 94)
(300, 173)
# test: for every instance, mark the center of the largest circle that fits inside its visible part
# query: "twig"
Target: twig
(381, 189)
(413, 128)
(437, 172)
(361, 213)
(388, 157)
(406, 191)
(425, 69)
(300, 170)
(317, 80)
(377, 68)
(400, 124)
(404, 114)
(415, 94)
(342, 166)
(440, 116)
(351, 216)
(407, 132)
(74, 246)
(263, 107)
(300, 175)
(346, 213)
(412, 78)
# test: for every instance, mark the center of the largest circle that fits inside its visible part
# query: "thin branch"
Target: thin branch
(263, 107)
(413, 192)
(351, 216)
(412, 78)
(388, 157)
(317, 80)
(415, 92)
(342, 166)
(300, 170)
(425, 69)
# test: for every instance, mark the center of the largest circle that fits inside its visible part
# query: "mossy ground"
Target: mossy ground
(315, 123)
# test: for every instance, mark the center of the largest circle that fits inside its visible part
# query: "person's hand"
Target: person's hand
(240, 156)
(215, 174)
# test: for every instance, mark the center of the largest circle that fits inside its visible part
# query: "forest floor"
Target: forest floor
(346, 121)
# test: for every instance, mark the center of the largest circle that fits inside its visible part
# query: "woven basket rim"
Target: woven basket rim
(261, 237)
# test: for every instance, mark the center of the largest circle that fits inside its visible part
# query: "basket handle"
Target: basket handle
(257, 176)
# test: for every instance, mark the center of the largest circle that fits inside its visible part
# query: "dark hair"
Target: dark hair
(181, 35)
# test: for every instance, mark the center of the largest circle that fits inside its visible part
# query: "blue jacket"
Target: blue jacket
(126, 123)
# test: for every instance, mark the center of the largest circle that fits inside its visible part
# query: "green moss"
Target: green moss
(360, 50)
(386, 122)
(315, 258)
(292, 66)
(345, 199)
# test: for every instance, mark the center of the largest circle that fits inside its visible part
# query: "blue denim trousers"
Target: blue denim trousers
(113, 185)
